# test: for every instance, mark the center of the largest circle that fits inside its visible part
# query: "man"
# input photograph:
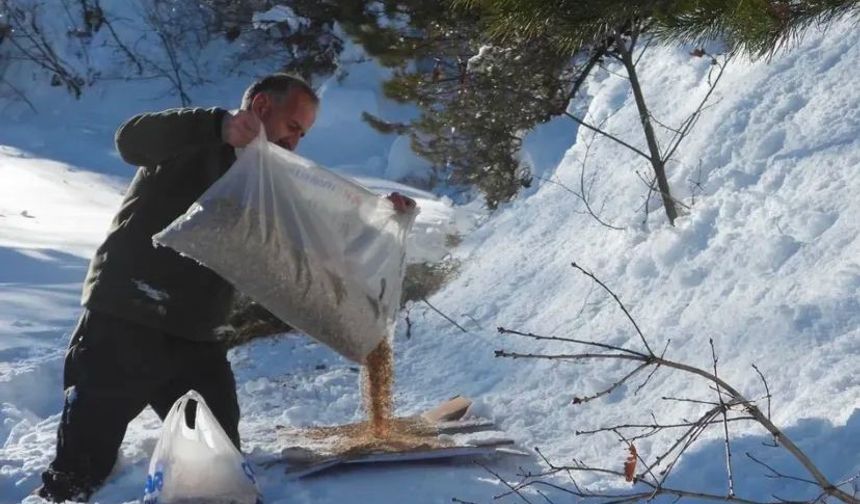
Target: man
(147, 332)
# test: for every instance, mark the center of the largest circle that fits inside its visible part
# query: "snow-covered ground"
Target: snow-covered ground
(767, 264)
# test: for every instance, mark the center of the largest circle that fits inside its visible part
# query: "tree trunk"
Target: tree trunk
(657, 162)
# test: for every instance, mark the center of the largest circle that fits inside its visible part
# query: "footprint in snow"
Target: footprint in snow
(770, 144)
(811, 225)
(776, 252)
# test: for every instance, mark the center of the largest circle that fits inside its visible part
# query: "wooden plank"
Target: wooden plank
(465, 426)
(452, 409)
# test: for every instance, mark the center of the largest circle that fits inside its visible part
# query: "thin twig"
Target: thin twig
(446, 317)
(693, 436)
(658, 426)
(652, 188)
(605, 134)
(579, 492)
(766, 388)
(585, 191)
(20, 94)
(120, 43)
(693, 118)
(653, 371)
(505, 482)
(777, 474)
(620, 304)
(503, 330)
(723, 408)
(689, 400)
(582, 198)
(608, 390)
(544, 496)
(582, 356)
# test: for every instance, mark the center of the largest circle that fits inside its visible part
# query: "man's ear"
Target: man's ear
(260, 104)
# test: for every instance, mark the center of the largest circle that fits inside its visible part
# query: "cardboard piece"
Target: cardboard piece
(446, 418)
(297, 471)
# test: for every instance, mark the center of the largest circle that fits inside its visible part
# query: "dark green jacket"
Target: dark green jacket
(180, 154)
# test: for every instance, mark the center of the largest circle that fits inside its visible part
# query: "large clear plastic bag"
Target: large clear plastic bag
(319, 251)
(197, 463)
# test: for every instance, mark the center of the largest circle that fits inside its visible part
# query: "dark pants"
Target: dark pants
(113, 370)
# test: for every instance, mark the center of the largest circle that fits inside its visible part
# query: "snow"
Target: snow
(53, 207)
(404, 164)
(278, 14)
(766, 264)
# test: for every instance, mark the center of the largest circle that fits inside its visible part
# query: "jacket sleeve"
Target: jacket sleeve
(150, 139)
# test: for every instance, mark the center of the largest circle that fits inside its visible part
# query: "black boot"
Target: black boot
(61, 487)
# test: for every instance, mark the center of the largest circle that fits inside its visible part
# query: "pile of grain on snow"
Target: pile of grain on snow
(403, 435)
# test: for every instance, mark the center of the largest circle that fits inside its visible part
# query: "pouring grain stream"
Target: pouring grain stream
(377, 388)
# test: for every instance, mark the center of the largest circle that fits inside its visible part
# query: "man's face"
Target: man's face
(286, 119)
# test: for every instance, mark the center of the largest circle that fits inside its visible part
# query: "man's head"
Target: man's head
(286, 105)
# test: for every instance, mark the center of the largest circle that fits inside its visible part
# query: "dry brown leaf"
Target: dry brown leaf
(630, 464)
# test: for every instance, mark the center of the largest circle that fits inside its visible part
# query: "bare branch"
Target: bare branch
(653, 187)
(20, 94)
(584, 199)
(583, 356)
(120, 43)
(446, 317)
(684, 130)
(766, 388)
(582, 186)
(544, 496)
(584, 73)
(776, 474)
(538, 337)
(689, 400)
(778, 435)
(658, 426)
(684, 442)
(653, 371)
(664, 126)
(620, 304)
(505, 482)
(723, 408)
(624, 497)
(728, 398)
(605, 134)
(608, 390)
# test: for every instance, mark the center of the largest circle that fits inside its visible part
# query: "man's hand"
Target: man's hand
(240, 128)
(402, 204)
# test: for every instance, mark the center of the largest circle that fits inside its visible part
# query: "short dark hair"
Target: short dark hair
(280, 84)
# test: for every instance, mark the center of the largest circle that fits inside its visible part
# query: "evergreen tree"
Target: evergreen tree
(476, 100)
(754, 27)
(307, 42)
(614, 27)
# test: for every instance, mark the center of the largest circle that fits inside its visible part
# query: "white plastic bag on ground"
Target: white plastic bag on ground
(198, 464)
(319, 251)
